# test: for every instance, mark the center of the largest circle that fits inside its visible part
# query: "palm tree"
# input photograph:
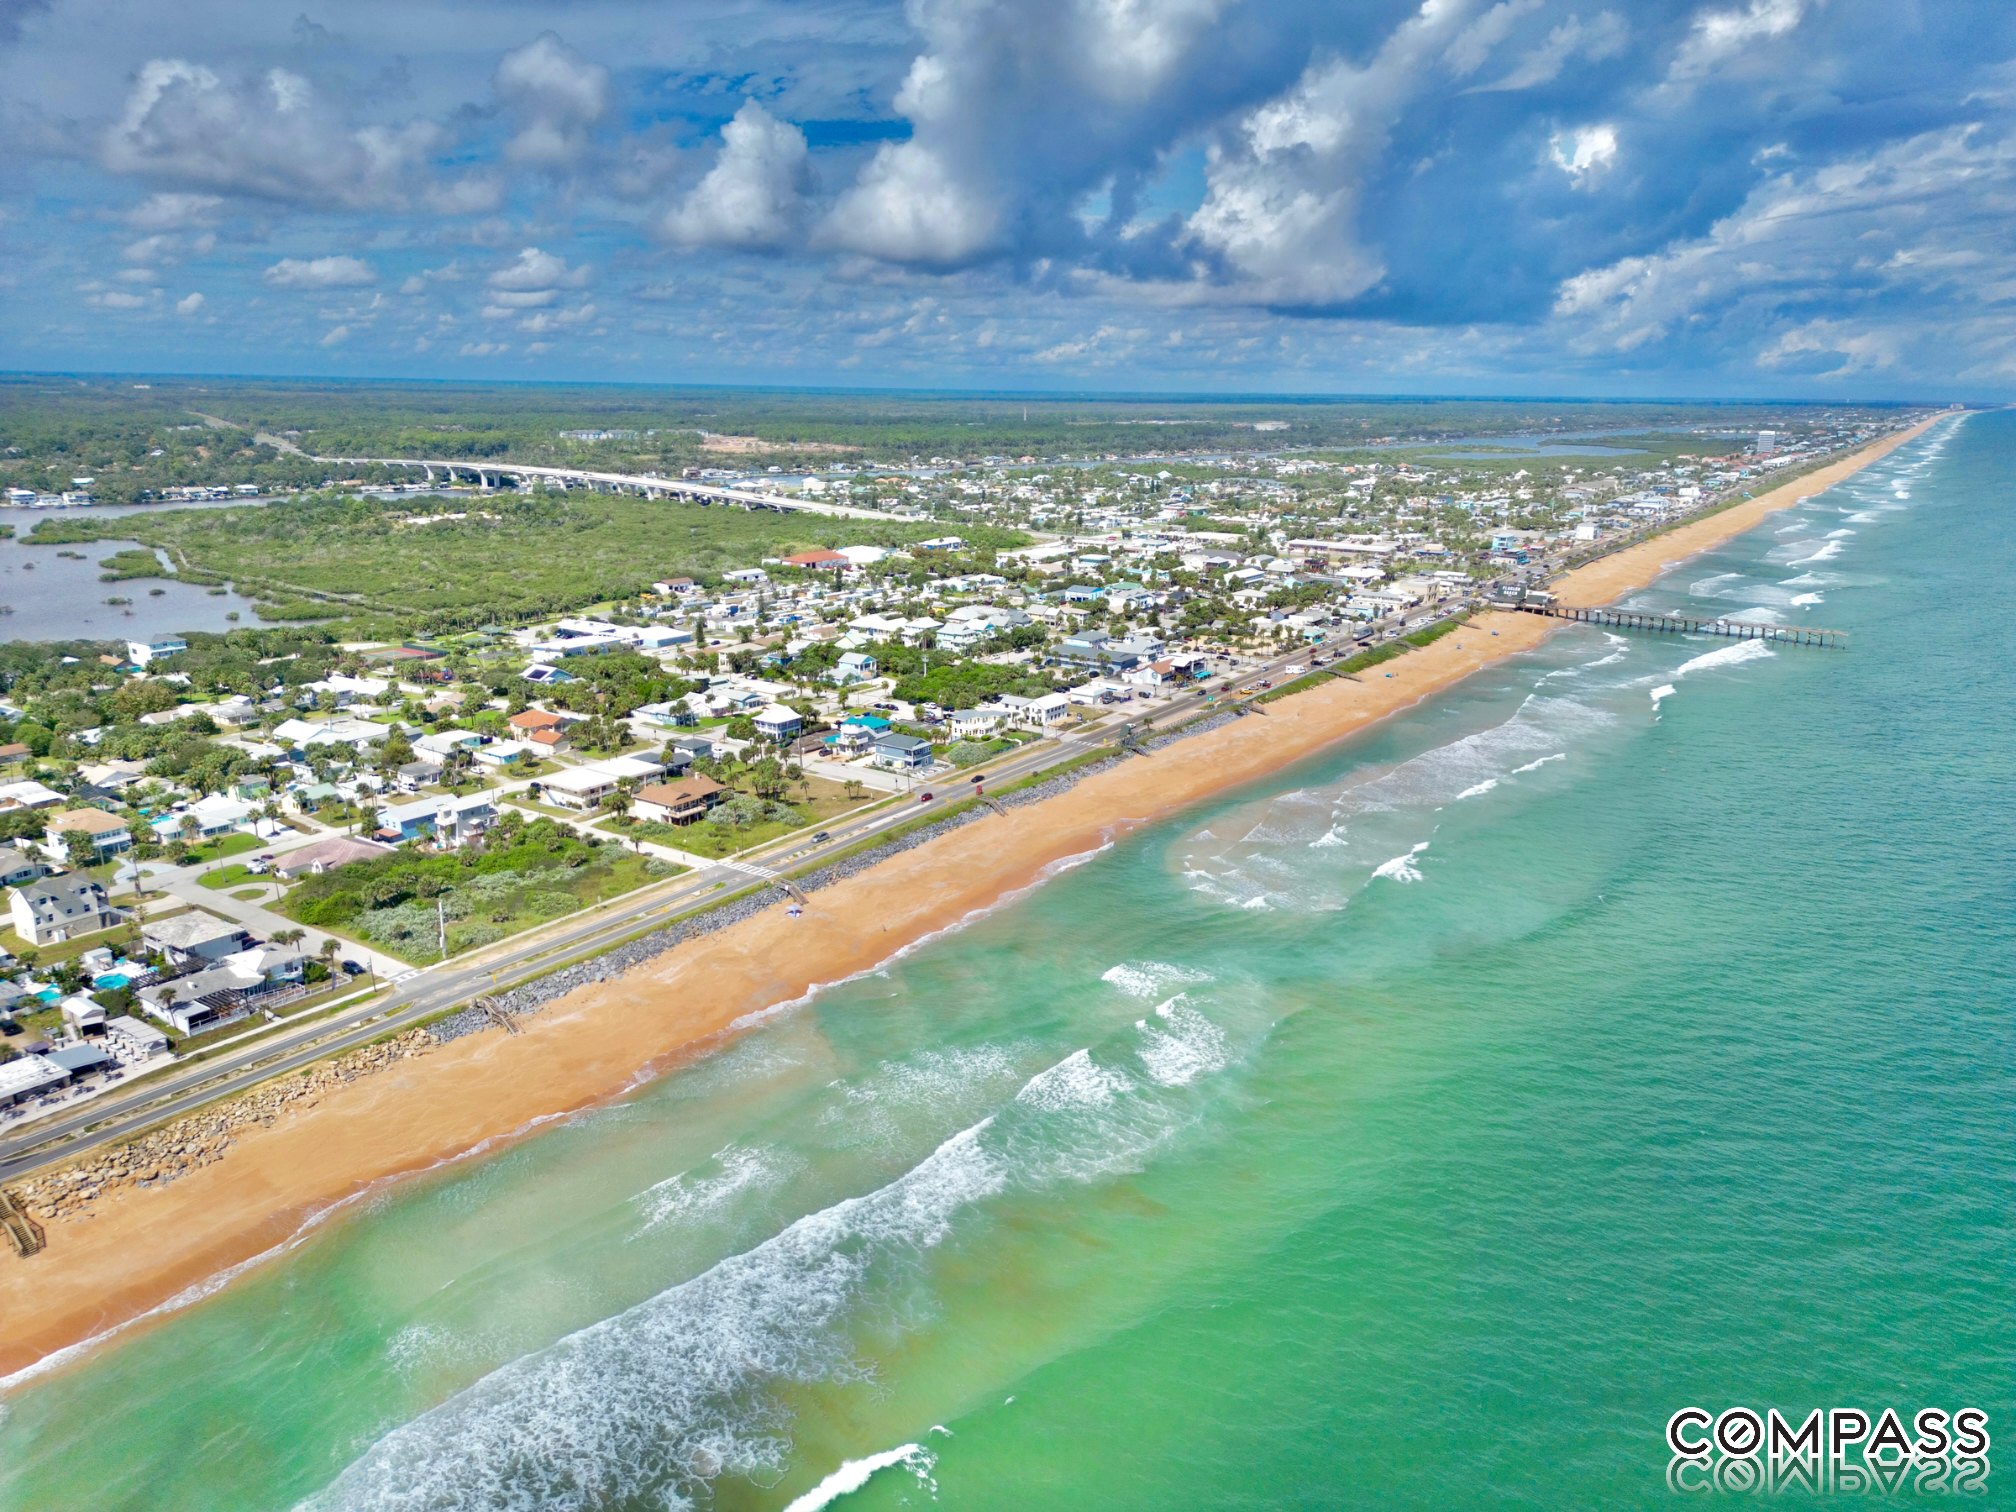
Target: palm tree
(288, 936)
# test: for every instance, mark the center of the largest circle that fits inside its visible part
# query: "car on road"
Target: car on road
(352, 968)
(822, 835)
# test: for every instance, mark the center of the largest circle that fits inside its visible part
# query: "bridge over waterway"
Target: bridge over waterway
(647, 485)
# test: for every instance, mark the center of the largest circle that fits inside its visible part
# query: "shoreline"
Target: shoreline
(603, 1039)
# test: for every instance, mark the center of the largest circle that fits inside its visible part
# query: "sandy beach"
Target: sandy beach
(150, 1246)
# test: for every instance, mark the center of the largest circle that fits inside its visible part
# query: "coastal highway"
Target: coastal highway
(113, 1116)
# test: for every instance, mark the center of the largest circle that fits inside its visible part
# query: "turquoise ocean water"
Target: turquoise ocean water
(1628, 1029)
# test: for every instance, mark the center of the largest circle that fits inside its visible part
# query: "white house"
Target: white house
(141, 653)
(214, 815)
(57, 908)
(969, 724)
(779, 723)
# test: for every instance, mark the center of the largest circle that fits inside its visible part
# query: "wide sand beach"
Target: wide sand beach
(150, 1247)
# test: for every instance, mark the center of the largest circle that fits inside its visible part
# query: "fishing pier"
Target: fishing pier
(1681, 624)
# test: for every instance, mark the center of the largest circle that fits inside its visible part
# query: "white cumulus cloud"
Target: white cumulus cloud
(320, 273)
(754, 194)
(554, 97)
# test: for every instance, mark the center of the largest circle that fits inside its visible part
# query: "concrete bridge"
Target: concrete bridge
(483, 474)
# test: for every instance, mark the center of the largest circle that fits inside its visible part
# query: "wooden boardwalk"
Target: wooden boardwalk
(1633, 619)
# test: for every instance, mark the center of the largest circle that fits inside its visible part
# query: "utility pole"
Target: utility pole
(441, 919)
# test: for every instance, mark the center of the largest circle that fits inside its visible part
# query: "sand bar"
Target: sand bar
(149, 1247)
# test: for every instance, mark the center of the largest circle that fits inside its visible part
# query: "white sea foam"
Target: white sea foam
(855, 1474)
(1841, 535)
(1077, 1081)
(1402, 868)
(1534, 766)
(689, 1197)
(1185, 1047)
(1726, 656)
(1478, 790)
(1332, 836)
(1826, 553)
(1804, 599)
(1756, 615)
(650, 1406)
(1147, 979)
(1661, 693)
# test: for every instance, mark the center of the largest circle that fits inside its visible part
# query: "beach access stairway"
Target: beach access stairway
(1635, 619)
(23, 1230)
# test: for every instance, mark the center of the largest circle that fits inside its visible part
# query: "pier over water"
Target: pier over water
(1633, 619)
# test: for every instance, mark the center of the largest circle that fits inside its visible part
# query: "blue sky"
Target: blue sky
(1663, 197)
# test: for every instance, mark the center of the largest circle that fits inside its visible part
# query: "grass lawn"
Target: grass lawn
(225, 876)
(234, 844)
(247, 894)
(713, 840)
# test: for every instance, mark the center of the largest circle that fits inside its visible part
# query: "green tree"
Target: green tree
(79, 848)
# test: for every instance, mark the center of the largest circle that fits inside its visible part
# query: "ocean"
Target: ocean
(1628, 1029)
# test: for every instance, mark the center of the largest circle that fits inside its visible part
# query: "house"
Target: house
(19, 795)
(82, 1015)
(548, 742)
(680, 802)
(447, 821)
(228, 990)
(585, 786)
(854, 666)
(415, 775)
(779, 724)
(56, 909)
(858, 734)
(141, 653)
(1152, 675)
(194, 938)
(326, 855)
(305, 735)
(973, 623)
(314, 795)
(901, 753)
(528, 722)
(506, 752)
(970, 724)
(348, 690)
(214, 815)
(17, 867)
(545, 674)
(108, 835)
(1050, 709)
(666, 715)
(447, 742)
(692, 748)
(832, 560)
(12, 752)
